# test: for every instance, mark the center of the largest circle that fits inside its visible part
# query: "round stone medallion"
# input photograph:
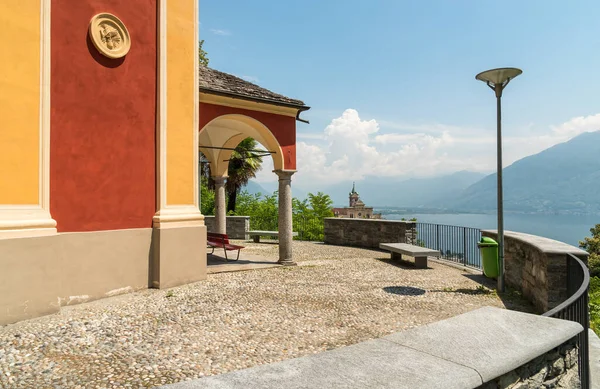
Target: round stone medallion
(109, 35)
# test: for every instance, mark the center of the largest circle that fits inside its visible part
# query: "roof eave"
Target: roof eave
(299, 107)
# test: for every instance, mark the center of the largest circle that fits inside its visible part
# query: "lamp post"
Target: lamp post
(497, 80)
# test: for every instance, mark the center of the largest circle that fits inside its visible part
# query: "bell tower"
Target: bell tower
(353, 196)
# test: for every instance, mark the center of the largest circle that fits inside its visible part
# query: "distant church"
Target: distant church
(357, 208)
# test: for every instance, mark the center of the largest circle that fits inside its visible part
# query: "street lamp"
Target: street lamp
(497, 80)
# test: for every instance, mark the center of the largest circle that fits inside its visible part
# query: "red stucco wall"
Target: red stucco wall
(282, 127)
(102, 150)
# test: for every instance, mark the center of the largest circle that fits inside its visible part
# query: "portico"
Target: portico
(231, 110)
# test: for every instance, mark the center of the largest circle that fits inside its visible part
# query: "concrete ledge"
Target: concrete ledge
(492, 341)
(537, 267)
(545, 245)
(461, 352)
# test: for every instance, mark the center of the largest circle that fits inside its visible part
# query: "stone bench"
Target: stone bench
(419, 253)
(255, 235)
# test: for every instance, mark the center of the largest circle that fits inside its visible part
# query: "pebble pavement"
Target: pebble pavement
(336, 296)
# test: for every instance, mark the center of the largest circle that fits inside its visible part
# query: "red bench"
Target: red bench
(221, 241)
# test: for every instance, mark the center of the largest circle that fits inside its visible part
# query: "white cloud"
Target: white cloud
(354, 148)
(350, 148)
(220, 32)
(577, 126)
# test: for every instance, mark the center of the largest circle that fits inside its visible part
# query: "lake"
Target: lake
(565, 228)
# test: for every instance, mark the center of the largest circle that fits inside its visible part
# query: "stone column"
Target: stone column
(285, 217)
(220, 208)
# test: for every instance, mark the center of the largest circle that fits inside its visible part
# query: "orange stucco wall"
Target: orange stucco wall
(20, 80)
(103, 119)
(282, 127)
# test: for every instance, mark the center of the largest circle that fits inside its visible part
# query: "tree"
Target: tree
(321, 205)
(592, 246)
(207, 198)
(261, 209)
(243, 165)
(202, 55)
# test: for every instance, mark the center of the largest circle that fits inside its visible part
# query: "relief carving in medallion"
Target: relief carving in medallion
(109, 35)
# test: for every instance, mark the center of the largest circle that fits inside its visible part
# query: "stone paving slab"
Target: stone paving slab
(490, 340)
(374, 364)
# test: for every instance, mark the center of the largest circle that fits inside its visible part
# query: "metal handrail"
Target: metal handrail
(576, 308)
(582, 289)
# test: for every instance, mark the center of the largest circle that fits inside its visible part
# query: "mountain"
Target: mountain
(564, 178)
(267, 188)
(254, 187)
(434, 192)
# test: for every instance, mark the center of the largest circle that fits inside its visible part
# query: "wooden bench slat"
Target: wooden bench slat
(215, 240)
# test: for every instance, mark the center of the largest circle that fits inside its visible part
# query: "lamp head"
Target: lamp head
(498, 78)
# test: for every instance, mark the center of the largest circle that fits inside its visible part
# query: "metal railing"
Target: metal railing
(309, 228)
(576, 309)
(456, 244)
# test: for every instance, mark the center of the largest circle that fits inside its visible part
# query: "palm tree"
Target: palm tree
(243, 165)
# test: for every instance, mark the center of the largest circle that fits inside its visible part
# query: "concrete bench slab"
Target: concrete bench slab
(420, 254)
(257, 234)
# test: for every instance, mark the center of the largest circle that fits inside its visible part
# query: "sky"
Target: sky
(391, 84)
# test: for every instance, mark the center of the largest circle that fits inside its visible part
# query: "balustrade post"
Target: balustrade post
(465, 246)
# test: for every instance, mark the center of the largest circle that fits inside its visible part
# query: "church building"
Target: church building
(356, 208)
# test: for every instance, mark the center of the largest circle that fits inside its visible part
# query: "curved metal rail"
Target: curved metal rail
(576, 308)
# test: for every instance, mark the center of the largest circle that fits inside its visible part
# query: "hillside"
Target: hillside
(415, 192)
(561, 179)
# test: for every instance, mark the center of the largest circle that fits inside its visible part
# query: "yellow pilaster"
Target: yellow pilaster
(182, 54)
(177, 150)
(24, 123)
(20, 103)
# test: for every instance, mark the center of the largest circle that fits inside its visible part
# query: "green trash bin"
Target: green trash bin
(489, 256)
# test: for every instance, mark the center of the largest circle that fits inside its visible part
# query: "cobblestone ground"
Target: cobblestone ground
(336, 296)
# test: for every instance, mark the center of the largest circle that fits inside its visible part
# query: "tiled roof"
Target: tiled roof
(212, 80)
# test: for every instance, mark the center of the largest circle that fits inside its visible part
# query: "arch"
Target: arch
(227, 131)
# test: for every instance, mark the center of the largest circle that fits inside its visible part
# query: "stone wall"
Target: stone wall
(237, 226)
(367, 232)
(537, 267)
(554, 369)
